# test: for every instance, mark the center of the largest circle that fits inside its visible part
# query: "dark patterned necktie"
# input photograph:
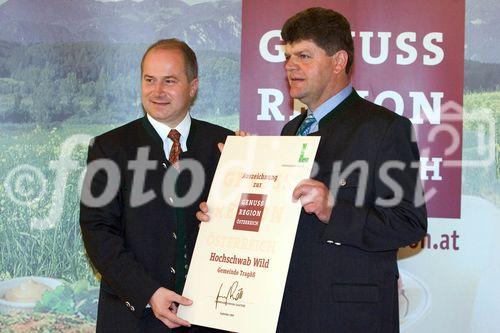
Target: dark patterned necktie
(307, 123)
(175, 151)
(181, 265)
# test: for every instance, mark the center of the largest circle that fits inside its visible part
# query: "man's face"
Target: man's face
(311, 73)
(166, 90)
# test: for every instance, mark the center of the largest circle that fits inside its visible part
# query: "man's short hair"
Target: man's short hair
(327, 28)
(190, 62)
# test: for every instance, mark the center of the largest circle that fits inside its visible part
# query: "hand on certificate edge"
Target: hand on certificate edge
(315, 198)
(202, 214)
(236, 133)
(163, 303)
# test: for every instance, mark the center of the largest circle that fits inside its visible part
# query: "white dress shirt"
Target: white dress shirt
(163, 130)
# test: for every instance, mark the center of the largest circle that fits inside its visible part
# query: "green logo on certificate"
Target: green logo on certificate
(302, 158)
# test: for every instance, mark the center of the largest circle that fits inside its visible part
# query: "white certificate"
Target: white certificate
(240, 262)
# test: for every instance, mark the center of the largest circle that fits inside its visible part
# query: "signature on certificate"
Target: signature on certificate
(233, 294)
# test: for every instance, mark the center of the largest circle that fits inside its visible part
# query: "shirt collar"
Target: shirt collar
(330, 103)
(163, 130)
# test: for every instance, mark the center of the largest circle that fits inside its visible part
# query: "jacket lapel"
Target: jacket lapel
(291, 130)
(150, 138)
(339, 111)
(193, 140)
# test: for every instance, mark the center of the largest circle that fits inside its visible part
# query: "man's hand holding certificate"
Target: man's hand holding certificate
(240, 262)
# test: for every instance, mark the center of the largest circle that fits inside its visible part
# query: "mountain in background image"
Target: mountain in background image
(482, 36)
(214, 25)
(210, 25)
(482, 46)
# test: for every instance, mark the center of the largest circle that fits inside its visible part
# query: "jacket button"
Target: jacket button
(164, 165)
(172, 270)
(174, 235)
(342, 182)
(132, 308)
(127, 304)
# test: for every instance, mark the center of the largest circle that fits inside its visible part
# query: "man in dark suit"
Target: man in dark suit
(140, 237)
(362, 204)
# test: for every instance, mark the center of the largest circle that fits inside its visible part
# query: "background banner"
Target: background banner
(408, 57)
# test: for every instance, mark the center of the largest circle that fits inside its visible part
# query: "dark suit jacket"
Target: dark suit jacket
(134, 248)
(352, 287)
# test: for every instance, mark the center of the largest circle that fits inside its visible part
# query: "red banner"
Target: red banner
(409, 57)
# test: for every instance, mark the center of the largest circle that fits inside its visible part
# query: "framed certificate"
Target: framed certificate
(240, 262)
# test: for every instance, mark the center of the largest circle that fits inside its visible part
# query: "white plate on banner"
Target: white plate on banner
(8, 306)
(414, 299)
